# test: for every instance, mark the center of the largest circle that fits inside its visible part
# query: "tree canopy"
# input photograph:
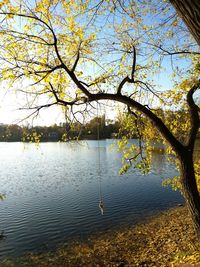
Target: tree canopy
(66, 50)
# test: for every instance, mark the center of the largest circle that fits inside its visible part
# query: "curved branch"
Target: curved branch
(48, 27)
(28, 16)
(26, 36)
(169, 53)
(126, 79)
(36, 110)
(60, 101)
(69, 72)
(76, 61)
(159, 124)
(194, 116)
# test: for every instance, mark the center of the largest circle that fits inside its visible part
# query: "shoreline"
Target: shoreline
(164, 239)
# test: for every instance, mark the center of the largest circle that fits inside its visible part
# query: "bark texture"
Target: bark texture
(189, 187)
(189, 11)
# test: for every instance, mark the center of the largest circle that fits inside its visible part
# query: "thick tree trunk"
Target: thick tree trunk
(189, 187)
(189, 11)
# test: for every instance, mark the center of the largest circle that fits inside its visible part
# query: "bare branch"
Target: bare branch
(134, 157)
(138, 131)
(169, 53)
(26, 36)
(125, 80)
(47, 26)
(76, 62)
(39, 107)
(36, 110)
(60, 101)
(147, 87)
(134, 63)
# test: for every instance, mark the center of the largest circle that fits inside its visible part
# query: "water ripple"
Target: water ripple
(53, 193)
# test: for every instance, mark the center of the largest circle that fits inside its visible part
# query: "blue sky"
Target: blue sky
(10, 102)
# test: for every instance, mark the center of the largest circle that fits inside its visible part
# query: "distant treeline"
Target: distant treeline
(94, 129)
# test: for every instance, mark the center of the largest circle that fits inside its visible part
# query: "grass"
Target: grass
(167, 239)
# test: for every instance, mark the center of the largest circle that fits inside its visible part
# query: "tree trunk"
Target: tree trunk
(189, 187)
(189, 11)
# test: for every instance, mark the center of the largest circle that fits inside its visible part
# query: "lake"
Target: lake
(52, 193)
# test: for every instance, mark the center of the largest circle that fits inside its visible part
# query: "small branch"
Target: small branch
(28, 16)
(60, 101)
(39, 107)
(134, 63)
(33, 93)
(147, 87)
(47, 26)
(168, 53)
(133, 158)
(178, 52)
(88, 85)
(138, 131)
(76, 61)
(125, 80)
(31, 61)
(26, 36)
(36, 110)
(41, 79)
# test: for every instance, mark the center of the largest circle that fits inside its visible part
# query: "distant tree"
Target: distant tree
(96, 127)
(10, 133)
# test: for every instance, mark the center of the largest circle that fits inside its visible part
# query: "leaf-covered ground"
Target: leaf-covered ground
(165, 240)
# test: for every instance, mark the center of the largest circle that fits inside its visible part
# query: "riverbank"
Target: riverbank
(167, 239)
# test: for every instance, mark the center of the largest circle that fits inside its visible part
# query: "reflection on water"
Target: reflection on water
(53, 193)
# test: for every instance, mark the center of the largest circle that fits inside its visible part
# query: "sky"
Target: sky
(10, 103)
(10, 113)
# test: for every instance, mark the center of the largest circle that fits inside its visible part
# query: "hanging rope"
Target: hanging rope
(101, 205)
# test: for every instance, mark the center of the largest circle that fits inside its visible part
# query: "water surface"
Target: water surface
(53, 193)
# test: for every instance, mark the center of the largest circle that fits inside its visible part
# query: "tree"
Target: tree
(75, 53)
(190, 13)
